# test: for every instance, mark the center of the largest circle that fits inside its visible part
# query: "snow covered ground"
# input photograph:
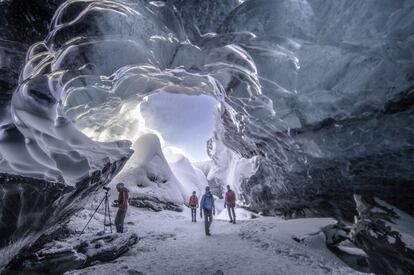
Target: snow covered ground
(171, 244)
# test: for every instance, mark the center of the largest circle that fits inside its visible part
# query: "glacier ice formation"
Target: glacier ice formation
(316, 96)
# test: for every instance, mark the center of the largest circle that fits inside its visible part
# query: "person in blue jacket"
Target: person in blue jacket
(207, 207)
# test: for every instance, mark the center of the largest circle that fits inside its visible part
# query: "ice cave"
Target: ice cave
(294, 114)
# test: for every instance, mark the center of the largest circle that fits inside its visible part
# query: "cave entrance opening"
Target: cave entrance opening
(184, 122)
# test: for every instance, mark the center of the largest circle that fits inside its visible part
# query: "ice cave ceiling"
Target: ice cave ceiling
(318, 93)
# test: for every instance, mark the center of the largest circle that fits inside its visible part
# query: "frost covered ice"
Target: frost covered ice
(300, 99)
(315, 103)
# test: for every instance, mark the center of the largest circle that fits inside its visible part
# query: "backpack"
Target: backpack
(231, 198)
(208, 202)
(193, 200)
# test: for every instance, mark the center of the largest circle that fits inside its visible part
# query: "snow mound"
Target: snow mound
(148, 172)
(190, 177)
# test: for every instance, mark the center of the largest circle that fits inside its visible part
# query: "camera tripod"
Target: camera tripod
(104, 200)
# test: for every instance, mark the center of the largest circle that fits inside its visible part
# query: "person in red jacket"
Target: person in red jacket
(193, 204)
(122, 204)
(230, 202)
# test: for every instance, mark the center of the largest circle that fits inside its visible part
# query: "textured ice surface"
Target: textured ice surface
(340, 76)
(76, 82)
(317, 93)
(385, 233)
(316, 96)
(31, 207)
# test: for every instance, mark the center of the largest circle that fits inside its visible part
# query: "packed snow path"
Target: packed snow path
(171, 244)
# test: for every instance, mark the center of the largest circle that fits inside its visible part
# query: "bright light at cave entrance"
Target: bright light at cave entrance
(183, 121)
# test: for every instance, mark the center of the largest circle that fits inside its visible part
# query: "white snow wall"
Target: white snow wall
(148, 173)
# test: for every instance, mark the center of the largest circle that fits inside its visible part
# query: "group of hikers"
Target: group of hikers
(207, 207)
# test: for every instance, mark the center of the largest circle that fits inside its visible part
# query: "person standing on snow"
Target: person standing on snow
(193, 203)
(207, 206)
(230, 202)
(122, 204)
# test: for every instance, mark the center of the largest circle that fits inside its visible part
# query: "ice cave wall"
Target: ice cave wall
(36, 195)
(316, 95)
(347, 106)
(88, 76)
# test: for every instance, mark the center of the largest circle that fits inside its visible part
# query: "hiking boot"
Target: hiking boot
(208, 234)
(234, 222)
(231, 221)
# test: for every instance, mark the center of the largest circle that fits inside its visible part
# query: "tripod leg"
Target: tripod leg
(109, 215)
(106, 204)
(92, 216)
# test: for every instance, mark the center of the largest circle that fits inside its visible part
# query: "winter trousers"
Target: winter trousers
(193, 214)
(208, 219)
(232, 214)
(119, 221)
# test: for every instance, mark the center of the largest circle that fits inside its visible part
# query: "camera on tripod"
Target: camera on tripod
(107, 214)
